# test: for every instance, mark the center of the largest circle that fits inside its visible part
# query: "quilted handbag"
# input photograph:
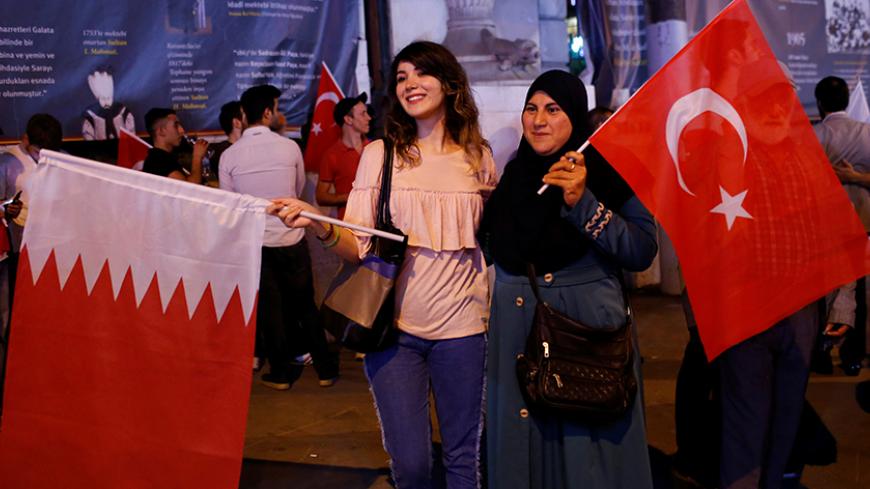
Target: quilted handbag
(576, 371)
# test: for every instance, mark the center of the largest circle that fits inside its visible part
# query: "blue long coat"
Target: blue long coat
(527, 451)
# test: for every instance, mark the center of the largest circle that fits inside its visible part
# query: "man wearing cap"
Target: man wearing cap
(339, 163)
(763, 379)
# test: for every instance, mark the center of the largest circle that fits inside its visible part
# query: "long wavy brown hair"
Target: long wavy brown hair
(461, 112)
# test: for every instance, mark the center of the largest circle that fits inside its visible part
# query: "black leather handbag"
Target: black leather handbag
(359, 306)
(573, 370)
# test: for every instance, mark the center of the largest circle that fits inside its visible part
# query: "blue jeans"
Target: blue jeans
(764, 381)
(401, 377)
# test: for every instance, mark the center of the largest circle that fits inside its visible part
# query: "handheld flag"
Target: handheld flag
(717, 146)
(131, 149)
(324, 131)
(858, 108)
(130, 361)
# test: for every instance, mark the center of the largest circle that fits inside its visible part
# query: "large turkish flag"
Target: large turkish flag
(717, 146)
(130, 353)
(324, 131)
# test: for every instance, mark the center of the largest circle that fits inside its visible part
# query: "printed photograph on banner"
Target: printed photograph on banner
(187, 16)
(98, 68)
(493, 40)
(105, 118)
(848, 26)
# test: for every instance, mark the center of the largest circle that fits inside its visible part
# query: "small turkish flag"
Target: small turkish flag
(131, 149)
(324, 131)
(718, 147)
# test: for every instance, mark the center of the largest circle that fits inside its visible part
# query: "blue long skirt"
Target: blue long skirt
(529, 451)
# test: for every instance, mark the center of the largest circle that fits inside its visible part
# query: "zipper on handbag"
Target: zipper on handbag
(546, 350)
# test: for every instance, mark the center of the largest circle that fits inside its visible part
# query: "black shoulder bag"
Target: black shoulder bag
(574, 370)
(359, 307)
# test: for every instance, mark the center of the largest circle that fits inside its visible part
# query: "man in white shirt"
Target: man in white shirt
(267, 165)
(841, 136)
(847, 145)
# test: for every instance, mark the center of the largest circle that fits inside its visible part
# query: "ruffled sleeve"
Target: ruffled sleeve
(438, 203)
(439, 221)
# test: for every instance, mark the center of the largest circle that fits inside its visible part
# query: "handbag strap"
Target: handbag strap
(530, 270)
(384, 219)
(533, 281)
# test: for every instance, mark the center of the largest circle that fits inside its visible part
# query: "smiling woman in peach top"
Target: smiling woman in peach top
(443, 171)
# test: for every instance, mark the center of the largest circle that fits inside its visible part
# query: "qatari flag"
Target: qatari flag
(717, 146)
(132, 332)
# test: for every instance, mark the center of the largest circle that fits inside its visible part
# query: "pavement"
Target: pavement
(312, 437)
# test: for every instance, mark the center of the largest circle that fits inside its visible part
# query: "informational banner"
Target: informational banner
(818, 38)
(628, 47)
(616, 33)
(814, 38)
(99, 65)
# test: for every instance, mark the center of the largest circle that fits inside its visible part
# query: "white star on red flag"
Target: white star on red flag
(802, 238)
(316, 129)
(731, 207)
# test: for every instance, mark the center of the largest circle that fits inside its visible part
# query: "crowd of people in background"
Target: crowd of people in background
(457, 339)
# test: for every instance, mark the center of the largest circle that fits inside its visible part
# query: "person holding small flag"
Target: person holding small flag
(443, 170)
(579, 235)
(167, 133)
(717, 146)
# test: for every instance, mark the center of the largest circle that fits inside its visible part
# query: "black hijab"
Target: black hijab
(519, 226)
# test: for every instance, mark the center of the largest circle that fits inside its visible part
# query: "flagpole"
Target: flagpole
(134, 136)
(332, 77)
(545, 186)
(362, 229)
(648, 80)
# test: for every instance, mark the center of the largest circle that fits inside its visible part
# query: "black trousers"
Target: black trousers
(853, 350)
(764, 380)
(287, 316)
(697, 414)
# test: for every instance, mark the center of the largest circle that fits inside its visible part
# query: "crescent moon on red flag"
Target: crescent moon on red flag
(685, 109)
(327, 96)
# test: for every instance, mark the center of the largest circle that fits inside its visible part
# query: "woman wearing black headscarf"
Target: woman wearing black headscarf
(580, 234)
